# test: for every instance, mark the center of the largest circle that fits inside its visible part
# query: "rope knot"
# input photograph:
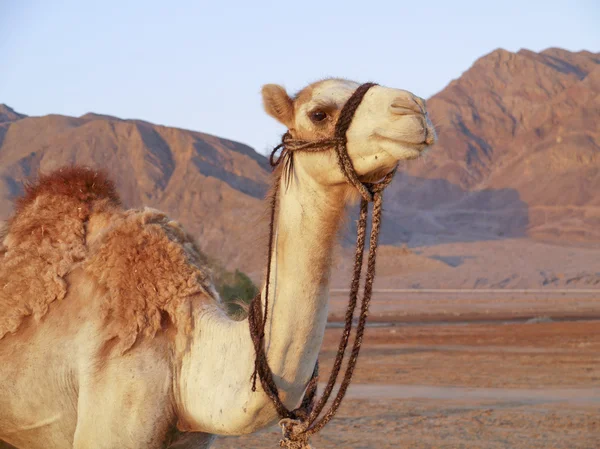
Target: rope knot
(289, 144)
(293, 434)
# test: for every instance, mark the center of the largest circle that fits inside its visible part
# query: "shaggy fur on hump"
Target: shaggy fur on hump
(46, 238)
(144, 267)
(79, 183)
(150, 270)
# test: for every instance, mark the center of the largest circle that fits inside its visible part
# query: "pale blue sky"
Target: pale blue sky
(200, 64)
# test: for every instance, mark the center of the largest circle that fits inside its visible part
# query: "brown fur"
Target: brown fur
(79, 183)
(278, 104)
(145, 266)
(150, 270)
(45, 239)
(306, 94)
(320, 130)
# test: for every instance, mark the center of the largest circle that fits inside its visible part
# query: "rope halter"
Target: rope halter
(299, 424)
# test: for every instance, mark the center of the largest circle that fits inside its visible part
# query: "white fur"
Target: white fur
(222, 354)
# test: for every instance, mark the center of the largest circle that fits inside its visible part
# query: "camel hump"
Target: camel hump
(47, 236)
(59, 202)
(81, 184)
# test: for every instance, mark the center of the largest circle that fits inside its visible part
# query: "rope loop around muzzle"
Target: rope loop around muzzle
(299, 424)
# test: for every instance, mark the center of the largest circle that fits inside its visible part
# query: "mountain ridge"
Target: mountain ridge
(518, 158)
(526, 122)
(8, 114)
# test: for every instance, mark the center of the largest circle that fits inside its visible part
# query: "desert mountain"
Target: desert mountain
(518, 154)
(7, 114)
(214, 186)
(518, 159)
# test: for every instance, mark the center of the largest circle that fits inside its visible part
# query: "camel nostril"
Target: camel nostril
(406, 106)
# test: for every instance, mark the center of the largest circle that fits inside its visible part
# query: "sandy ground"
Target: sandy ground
(416, 306)
(505, 263)
(466, 385)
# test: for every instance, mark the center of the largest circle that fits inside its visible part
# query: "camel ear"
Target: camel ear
(278, 104)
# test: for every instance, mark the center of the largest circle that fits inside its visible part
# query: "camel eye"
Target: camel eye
(318, 116)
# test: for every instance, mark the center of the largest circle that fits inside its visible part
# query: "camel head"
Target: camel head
(390, 125)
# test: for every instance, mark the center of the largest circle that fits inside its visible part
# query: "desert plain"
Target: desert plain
(470, 369)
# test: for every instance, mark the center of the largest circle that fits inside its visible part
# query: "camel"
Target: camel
(112, 334)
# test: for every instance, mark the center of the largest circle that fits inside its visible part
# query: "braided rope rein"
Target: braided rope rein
(299, 424)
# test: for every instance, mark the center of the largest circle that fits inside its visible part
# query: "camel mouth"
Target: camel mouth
(393, 150)
(419, 135)
(406, 146)
(409, 145)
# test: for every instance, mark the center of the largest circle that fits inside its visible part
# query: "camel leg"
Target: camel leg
(126, 402)
(136, 419)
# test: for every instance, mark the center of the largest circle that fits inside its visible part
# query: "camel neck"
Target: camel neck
(308, 219)
(221, 354)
